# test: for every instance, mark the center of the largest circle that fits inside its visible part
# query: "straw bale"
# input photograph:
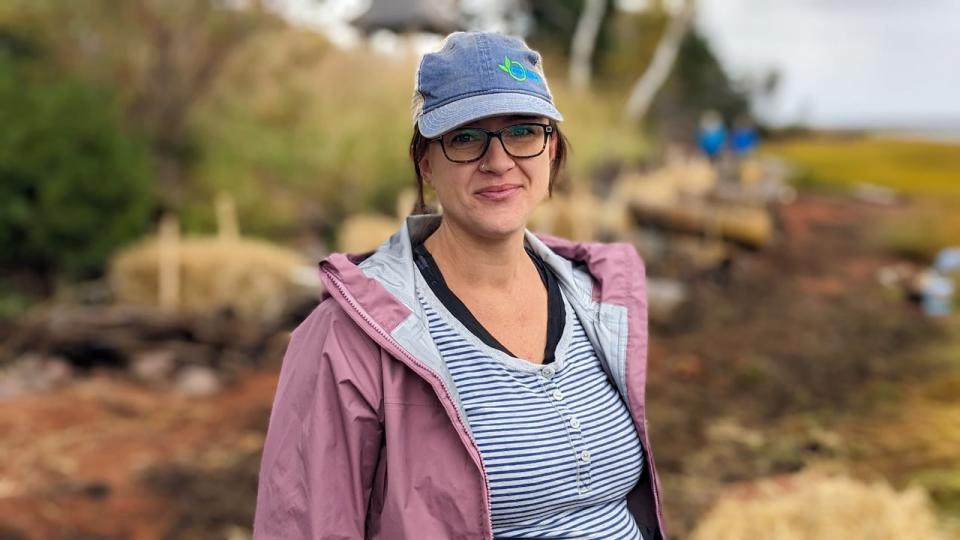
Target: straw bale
(581, 216)
(654, 190)
(750, 225)
(667, 186)
(814, 506)
(694, 177)
(252, 277)
(751, 172)
(360, 233)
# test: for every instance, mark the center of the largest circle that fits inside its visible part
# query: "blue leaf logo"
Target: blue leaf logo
(516, 70)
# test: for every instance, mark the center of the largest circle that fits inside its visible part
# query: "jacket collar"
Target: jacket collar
(599, 272)
(604, 283)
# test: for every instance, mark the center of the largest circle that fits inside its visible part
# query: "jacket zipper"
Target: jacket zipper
(461, 425)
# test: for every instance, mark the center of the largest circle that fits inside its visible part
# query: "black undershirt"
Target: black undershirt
(556, 313)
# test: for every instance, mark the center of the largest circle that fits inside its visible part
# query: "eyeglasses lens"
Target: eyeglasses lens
(520, 141)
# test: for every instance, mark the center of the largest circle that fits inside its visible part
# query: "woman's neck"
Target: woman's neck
(480, 262)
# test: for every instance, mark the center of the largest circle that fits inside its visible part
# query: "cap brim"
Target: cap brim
(457, 113)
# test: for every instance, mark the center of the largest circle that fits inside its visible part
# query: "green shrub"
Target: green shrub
(73, 185)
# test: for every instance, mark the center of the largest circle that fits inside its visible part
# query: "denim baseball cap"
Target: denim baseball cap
(479, 74)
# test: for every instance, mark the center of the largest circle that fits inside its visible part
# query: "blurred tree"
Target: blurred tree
(696, 84)
(574, 31)
(15, 46)
(160, 57)
(633, 39)
(302, 133)
(73, 184)
(659, 69)
(584, 42)
(268, 117)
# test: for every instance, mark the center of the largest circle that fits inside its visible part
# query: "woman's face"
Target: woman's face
(495, 195)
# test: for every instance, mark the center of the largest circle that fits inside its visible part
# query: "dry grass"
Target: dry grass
(813, 506)
(249, 276)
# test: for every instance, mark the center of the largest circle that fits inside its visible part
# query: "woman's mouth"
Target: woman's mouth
(498, 193)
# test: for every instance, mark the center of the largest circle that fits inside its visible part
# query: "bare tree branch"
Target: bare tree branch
(664, 57)
(584, 43)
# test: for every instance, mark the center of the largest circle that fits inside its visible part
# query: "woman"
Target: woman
(469, 379)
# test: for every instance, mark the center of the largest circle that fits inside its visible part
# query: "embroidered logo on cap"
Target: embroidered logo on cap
(517, 70)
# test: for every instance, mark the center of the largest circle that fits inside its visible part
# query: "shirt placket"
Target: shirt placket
(572, 424)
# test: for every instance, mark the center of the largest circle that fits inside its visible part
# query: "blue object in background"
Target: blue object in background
(938, 296)
(712, 135)
(744, 140)
(948, 260)
(940, 288)
(711, 141)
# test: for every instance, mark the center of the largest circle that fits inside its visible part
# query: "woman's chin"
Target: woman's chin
(491, 227)
(503, 228)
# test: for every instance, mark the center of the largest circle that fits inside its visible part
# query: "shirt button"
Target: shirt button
(557, 395)
(585, 456)
(547, 372)
(575, 423)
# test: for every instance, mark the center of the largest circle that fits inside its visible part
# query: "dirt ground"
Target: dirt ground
(794, 356)
(95, 459)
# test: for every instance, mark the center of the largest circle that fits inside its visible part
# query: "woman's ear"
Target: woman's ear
(426, 172)
(552, 146)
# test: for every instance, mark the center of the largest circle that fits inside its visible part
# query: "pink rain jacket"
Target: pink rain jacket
(367, 437)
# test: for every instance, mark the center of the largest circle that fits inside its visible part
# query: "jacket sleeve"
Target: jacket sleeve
(323, 440)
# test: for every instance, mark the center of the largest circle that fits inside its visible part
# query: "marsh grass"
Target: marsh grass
(917, 168)
(928, 173)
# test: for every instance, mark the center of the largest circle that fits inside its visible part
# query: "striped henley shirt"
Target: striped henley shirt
(557, 442)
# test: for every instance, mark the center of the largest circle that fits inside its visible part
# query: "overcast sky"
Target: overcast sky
(846, 63)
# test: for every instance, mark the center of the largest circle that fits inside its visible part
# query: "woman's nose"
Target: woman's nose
(497, 160)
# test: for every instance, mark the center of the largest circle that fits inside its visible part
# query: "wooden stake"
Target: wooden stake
(168, 274)
(226, 209)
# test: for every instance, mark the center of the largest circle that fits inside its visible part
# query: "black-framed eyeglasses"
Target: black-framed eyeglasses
(526, 140)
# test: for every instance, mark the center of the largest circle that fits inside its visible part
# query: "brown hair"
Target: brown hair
(419, 145)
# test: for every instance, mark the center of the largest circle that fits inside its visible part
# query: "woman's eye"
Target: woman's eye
(520, 131)
(464, 137)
